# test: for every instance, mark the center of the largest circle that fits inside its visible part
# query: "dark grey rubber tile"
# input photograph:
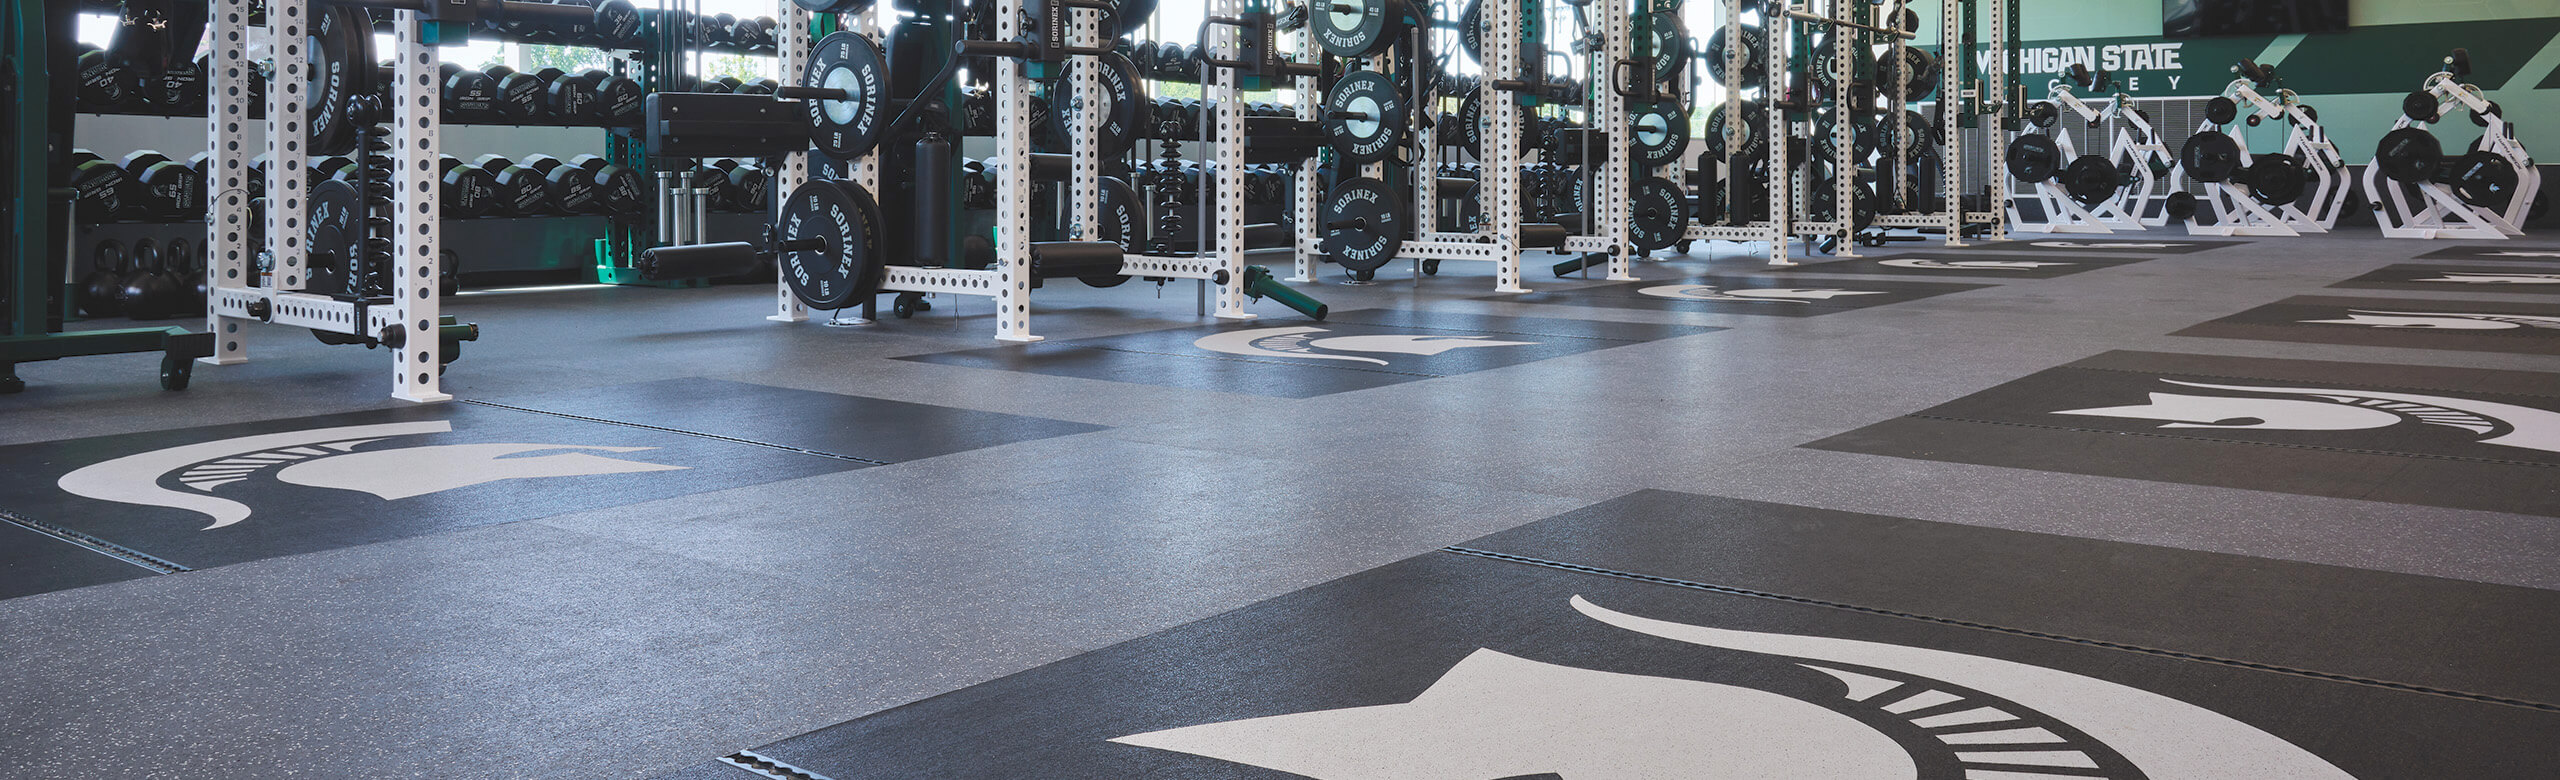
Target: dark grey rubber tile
(2541, 251)
(1951, 264)
(1352, 350)
(870, 429)
(32, 562)
(1450, 665)
(1746, 295)
(2481, 326)
(2333, 619)
(2441, 437)
(2158, 244)
(2458, 278)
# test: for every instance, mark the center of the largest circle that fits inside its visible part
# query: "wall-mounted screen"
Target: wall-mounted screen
(2199, 18)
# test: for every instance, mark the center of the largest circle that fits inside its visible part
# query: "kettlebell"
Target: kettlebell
(186, 271)
(105, 281)
(148, 293)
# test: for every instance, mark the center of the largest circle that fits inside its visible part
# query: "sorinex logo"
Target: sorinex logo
(1697, 292)
(1303, 342)
(1884, 710)
(2324, 409)
(330, 458)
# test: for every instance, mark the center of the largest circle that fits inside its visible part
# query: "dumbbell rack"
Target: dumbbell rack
(2134, 142)
(409, 320)
(2058, 212)
(1222, 258)
(1954, 44)
(2446, 215)
(40, 224)
(1775, 230)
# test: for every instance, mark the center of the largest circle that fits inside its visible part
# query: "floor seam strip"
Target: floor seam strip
(2199, 658)
(97, 545)
(680, 431)
(2153, 435)
(1258, 362)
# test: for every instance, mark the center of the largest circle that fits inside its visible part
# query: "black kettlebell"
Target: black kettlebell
(105, 281)
(148, 293)
(186, 271)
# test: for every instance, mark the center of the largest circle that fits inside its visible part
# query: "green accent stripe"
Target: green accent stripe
(2545, 65)
(2279, 49)
(2393, 58)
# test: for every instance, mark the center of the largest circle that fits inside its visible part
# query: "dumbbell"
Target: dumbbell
(97, 188)
(157, 188)
(747, 191)
(101, 81)
(568, 189)
(719, 31)
(520, 98)
(465, 190)
(620, 191)
(522, 192)
(619, 101)
(178, 91)
(760, 86)
(614, 24)
(470, 96)
(1170, 61)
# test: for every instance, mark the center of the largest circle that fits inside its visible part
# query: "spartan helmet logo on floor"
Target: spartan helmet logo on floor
(2441, 320)
(329, 458)
(2458, 277)
(1303, 342)
(2325, 409)
(1966, 265)
(1889, 711)
(1699, 292)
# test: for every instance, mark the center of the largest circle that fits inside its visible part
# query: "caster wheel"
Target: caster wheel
(1431, 268)
(174, 376)
(12, 384)
(1363, 276)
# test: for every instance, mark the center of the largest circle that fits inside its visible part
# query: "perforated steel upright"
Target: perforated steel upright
(416, 216)
(1229, 153)
(231, 257)
(1610, 209)
(791, 56)
(1500, 139)
(1310, 190)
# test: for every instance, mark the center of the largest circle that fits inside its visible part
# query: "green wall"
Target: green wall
(2354, 78)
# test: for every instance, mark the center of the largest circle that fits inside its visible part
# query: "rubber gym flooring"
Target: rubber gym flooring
(2103, 507)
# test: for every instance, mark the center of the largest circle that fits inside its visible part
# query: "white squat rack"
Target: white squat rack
(1774, 231)
(408, 322)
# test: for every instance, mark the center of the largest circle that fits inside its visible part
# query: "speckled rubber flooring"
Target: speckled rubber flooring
(619, 639)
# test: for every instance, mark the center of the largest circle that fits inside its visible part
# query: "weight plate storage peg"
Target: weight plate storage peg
(1659, 214)
(848, 127)
(1358, 28)
(1364, 117)
(1362, 230)
(2210, 156)
(2409, 155)
(1661, 133)
(2034, 157)
(2091, 180)
(830, 244)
